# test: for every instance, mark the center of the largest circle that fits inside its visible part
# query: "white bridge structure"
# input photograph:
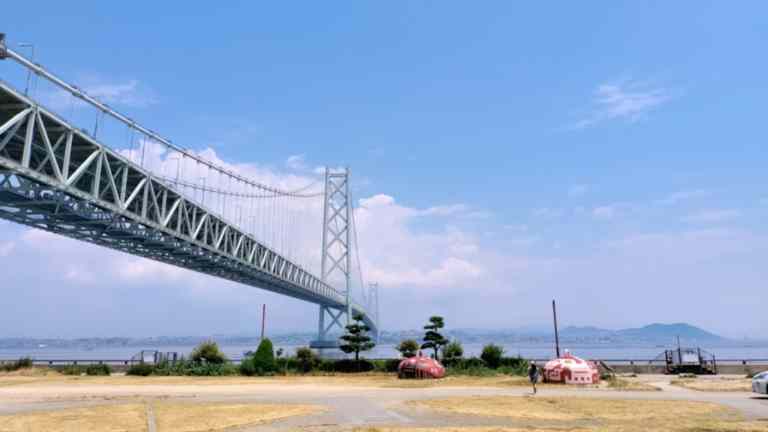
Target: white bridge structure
(57, 177)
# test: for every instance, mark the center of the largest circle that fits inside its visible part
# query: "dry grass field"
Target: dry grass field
(467, 429)
(715, 384)
(105, 418)
(378, 380)
(600, 414)
(168, 417)
(189, 417)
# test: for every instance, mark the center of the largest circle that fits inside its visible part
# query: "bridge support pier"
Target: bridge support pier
(335, 320)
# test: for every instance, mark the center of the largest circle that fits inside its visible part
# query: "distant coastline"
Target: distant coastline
(650, 335)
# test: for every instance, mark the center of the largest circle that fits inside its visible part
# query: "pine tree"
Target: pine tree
(432, 338)
(356, 339)
(408, 348)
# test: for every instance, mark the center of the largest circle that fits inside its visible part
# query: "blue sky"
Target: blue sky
(611, 154)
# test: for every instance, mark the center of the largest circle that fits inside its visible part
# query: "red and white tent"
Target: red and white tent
(570, 369)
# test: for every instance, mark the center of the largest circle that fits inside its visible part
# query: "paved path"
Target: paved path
(348, 406)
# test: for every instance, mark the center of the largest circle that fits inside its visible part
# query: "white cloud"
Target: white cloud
(624, 100)
(681, 196)
(127, 94)
(296, 162)
(713, 216)
(396, 255)
(444, 210)
(380, 200)
(578, 190)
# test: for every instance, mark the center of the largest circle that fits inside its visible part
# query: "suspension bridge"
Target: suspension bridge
(147, 196)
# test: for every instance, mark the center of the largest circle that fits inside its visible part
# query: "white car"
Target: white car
(760, 383)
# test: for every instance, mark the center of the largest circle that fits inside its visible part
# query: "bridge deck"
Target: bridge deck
(55, 177)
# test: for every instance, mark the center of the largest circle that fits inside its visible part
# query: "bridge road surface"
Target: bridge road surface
(347, 406)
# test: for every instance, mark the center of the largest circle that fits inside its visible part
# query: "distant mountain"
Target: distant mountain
(651, 334)
(670, 332)
(666, 333)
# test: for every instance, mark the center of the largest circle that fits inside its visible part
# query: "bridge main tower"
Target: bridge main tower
(336, 264)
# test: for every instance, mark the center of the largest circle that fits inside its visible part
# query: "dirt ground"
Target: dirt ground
(33, 401)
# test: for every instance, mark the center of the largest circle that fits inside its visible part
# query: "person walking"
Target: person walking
(533, 375)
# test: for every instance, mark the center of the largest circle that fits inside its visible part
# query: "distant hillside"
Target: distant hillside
(669, 332)
(653, 332)
(650, 334)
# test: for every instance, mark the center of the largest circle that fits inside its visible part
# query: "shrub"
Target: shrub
(208, 352)
(348, 366)
(72, 370)
(98, 370)
(385, 365)
(492, 355)
(306, 359)
(211, 369)
(140, 369)
(481, 371)
(264, 359)
(452, 352)
(408, 348)
(514, 366)
(470, 363)
(24, 362)
(262, 362)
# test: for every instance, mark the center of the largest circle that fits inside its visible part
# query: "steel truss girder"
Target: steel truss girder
(56, 178)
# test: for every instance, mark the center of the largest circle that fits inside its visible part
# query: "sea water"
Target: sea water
(637, 352)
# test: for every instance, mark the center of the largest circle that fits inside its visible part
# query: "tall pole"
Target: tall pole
(557, 336)
(263, 319)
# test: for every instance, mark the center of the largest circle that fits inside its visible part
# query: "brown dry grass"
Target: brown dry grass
(345, 380)
(715, 384)
(628, 384)
(32, 372)
(602, 414)
(107, 418)
(189, 417)
(176, 417)
(379, 380)
(466, 429)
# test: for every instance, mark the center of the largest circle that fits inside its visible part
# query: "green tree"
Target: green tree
(356, 339)
(208, 352)
(452, 352)
(408, 348)
(492, 355)
(306, 358)
(261, 362)
(432, 338)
